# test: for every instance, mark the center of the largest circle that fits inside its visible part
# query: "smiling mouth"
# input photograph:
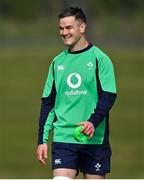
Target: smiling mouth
(66, 37)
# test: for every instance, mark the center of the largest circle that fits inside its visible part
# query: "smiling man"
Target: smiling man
(79, 91)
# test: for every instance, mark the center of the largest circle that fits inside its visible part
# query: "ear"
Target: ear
(82, 28)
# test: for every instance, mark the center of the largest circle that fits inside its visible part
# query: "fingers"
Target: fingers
(80, 124)
(45, 153)
(42, 153)
(88, 129)
(88, 126)
(42, 159)
(91, 134)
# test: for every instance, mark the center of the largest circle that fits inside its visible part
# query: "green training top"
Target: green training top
(76, 84)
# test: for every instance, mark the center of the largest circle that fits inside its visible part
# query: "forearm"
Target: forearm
(104, 104)
(46, 115)
(44, 120)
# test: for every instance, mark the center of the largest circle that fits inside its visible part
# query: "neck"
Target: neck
(81, 44)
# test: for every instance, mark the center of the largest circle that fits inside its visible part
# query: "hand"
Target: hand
(42, 153)
(88, 128)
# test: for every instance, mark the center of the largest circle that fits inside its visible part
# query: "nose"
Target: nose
(65, 31)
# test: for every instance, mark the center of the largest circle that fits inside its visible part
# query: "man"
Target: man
(80, 90)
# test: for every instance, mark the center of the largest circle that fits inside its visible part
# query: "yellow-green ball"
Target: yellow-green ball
(79, 136)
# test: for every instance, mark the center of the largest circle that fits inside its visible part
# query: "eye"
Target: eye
(69, 27)
(61, 28)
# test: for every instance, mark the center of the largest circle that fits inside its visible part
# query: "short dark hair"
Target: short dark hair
(73, 11)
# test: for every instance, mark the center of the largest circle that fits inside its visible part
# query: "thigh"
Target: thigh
(95, 160)
(90, 176)
(64, 156)
(64, 172)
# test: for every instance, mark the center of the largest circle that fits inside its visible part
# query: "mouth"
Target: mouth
(66, 37)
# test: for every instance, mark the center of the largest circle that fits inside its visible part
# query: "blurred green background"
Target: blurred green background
(28, 42)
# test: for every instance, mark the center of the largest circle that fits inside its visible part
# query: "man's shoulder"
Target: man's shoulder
(98, 52)
(60, 55)
(100, 55)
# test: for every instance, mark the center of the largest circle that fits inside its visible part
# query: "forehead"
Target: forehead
(66, 21)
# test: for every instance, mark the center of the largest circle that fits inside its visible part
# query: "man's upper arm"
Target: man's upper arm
(106, 74)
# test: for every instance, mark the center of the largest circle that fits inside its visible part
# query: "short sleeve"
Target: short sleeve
(106, 74)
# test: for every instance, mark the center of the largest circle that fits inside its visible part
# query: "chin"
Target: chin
(68, 43)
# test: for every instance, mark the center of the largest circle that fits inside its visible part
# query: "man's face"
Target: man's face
(71, 30)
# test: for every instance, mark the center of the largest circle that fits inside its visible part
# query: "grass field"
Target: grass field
(22, 75)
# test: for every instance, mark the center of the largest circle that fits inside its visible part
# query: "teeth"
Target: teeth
(67, 37)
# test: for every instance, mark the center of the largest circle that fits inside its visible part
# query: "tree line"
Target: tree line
(32, 9)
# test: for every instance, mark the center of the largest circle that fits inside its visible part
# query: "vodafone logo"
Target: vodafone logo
(74, 80)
